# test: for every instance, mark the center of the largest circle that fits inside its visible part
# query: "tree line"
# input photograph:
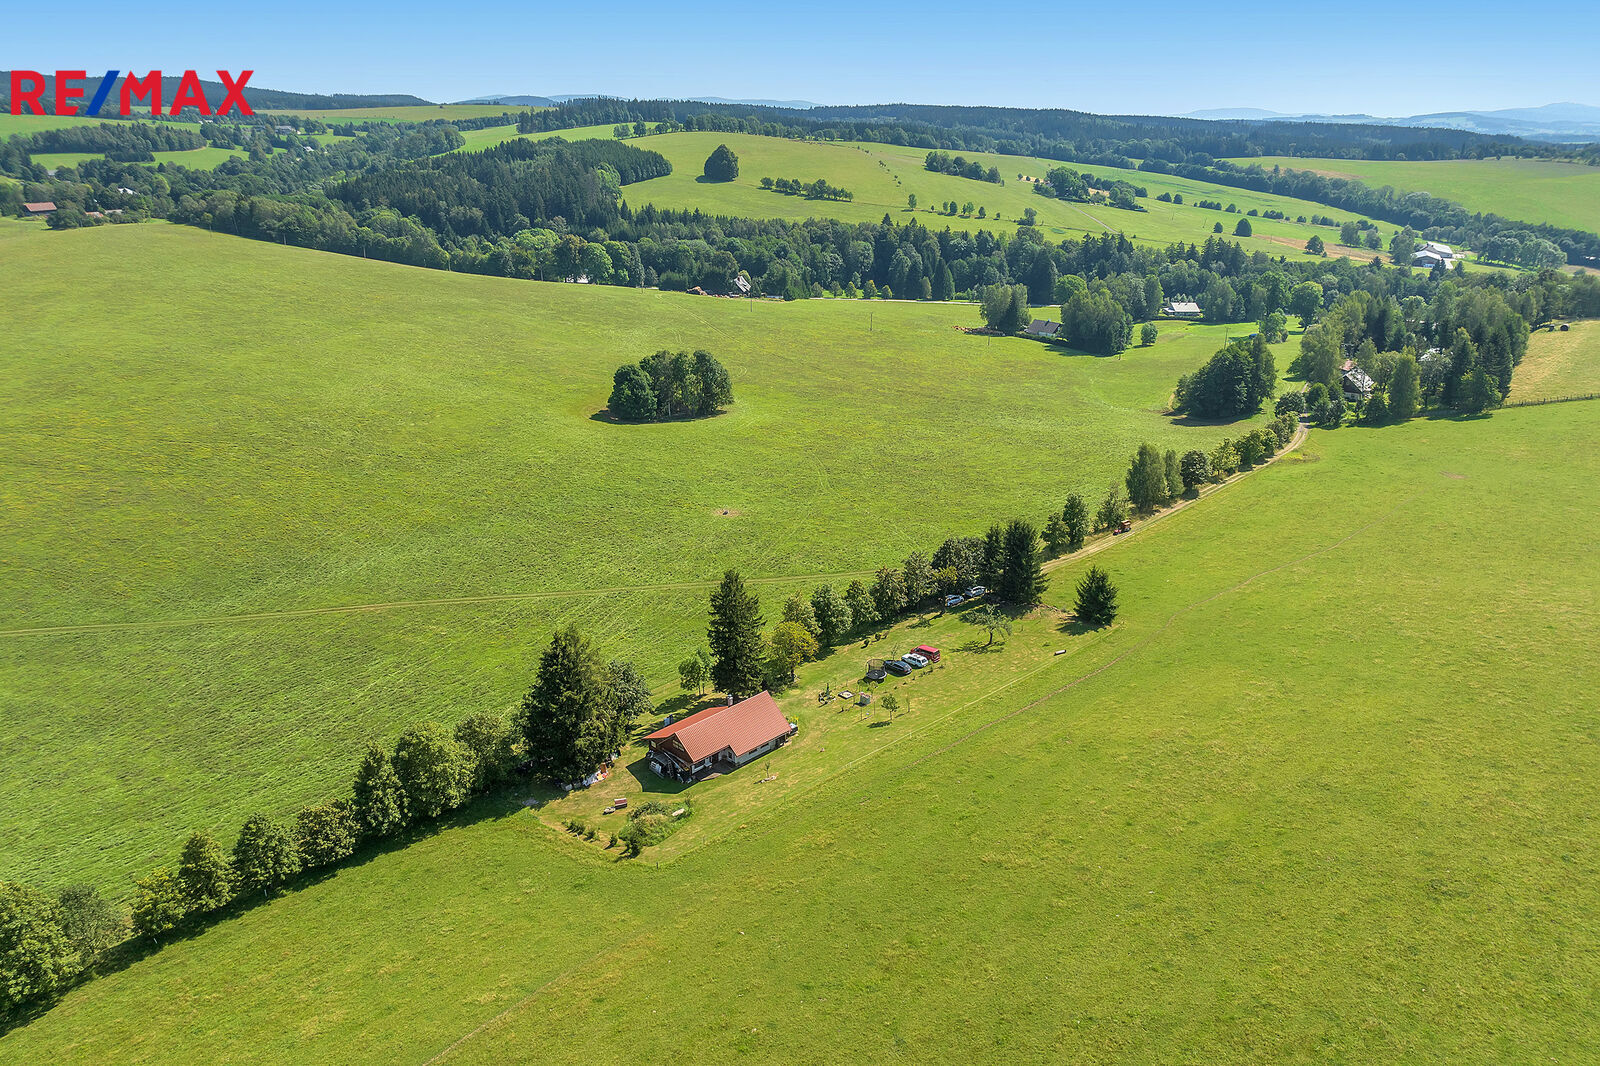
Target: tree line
(811, 190)
(944, 163)
(571, 721)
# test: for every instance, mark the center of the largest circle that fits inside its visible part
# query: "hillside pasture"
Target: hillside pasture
(1559, 364)
(1527, 190)
(403, 487)
(1310, 799)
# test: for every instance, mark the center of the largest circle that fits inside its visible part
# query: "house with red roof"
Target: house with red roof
(38, 210)
(719, 738)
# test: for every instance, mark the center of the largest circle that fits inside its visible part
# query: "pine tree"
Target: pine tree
(738, 650)
(569, 717)
(1022, 577)
(1055, 535)
(1097, 599)
(994, 557)
(380, 800)
(205, 874)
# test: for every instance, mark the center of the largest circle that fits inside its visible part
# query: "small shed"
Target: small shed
(1042, 327)
(39, 210)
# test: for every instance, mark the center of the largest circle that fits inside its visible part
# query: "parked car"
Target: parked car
(1125, 527)
(898, 667)
(975, 591)
(917, 662)
(954, 601)
(928, 652)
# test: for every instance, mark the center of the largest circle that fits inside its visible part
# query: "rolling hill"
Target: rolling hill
(379, 502)
(1281, 812)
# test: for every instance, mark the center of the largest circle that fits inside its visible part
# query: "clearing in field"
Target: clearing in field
(422, 446)
(1310, 798)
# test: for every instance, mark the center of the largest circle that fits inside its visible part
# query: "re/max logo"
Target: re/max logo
(27, 86)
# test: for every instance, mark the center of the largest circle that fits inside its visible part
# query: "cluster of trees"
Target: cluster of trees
(507, 188)
(943, 163)
(1068, 184)
(1233, 383)
(1093, 320)
(670, 385)
(811, 190)
(1463, 341)
(721, 164)
(572, 721)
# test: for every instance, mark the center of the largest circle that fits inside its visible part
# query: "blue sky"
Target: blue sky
(1389, 58)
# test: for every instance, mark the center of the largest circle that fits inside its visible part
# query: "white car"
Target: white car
(917, 662)
(975, 591)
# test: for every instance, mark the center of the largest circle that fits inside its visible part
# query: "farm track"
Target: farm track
(555, 594)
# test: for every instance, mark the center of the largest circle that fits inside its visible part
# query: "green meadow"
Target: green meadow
(881, 177)
(1528, 190)
(248, 531)
(1559, 364)
(1326, 792)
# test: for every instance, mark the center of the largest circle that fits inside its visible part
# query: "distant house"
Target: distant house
(1041, 327)
(741, 285)
(284, 129)
(720, 738)
(1357, 385)
(38, 210)
(1181, 309)
(1433, 254)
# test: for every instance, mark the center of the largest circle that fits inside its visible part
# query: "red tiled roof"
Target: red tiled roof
(743, 727)
(44, 205)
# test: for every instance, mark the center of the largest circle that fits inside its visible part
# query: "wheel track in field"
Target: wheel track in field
(1106, 541)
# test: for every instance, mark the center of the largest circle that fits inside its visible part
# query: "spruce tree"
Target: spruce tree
(994, 557)
(569, 718)
(1097, 599)
(1022, 575)
(738, 650)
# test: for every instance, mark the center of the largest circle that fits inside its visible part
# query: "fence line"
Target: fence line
(1552, 399)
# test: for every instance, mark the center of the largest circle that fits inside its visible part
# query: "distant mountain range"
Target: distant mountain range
(550, 101)
(1553, 122)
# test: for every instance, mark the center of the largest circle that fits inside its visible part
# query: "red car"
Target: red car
(930, 654)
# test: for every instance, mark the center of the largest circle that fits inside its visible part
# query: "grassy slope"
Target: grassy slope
(1530, 190)
(882, 176)
(236, 448)
(1332, 799)
(1559, 364)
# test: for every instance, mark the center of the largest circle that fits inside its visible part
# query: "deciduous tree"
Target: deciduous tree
(266, 854)
(205, 874)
